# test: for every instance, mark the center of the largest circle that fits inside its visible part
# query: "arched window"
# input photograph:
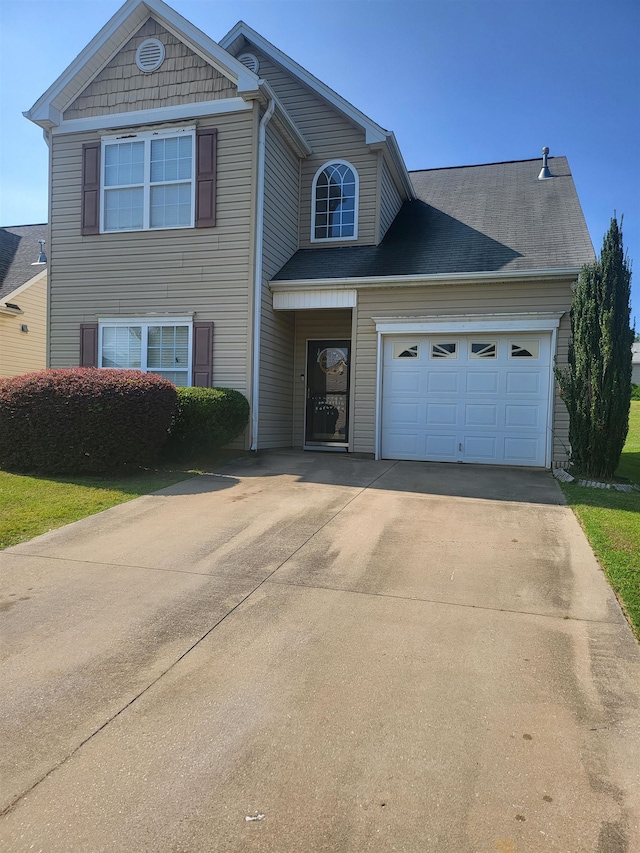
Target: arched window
(335, 202)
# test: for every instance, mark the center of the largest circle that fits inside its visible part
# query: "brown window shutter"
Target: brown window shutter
(206, 154)
(90, 188)
(88, 345)
(202, 355)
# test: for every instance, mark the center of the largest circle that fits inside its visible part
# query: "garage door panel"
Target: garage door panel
(518, 449)
(441, 447)
(482, 382)
(481, 414)
(480, 448)
(441, 414)
(401, 380)
(442, 382)
(404, 413)
(516, 416)
(399, 445)
(524, 382)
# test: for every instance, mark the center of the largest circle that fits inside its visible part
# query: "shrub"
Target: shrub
(205, 419)
(83, 420)
(635, 392)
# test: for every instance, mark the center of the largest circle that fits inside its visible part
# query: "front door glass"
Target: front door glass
(327, 416)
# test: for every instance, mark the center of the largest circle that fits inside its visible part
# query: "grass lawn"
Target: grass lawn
(611, 521)
(33, 505)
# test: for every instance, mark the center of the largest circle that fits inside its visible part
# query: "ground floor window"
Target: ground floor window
(151, 346)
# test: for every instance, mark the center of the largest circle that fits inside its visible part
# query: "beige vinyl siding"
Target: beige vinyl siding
(121, 86)
(390, 201)
(452, 299)
(331, 136)
(171, 272)
(281, 193)
(331, 323)
(24, 352)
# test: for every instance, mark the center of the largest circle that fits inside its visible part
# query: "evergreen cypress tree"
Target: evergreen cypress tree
(596, 387)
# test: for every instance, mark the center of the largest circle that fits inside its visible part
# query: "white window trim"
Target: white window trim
(146, 137)
(145, 323)
(315, 239)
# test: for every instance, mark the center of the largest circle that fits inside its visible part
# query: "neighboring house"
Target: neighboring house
(23, 300)
(220, 216)
(635, 363)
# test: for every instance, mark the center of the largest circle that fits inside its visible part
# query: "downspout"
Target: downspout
(257, 293)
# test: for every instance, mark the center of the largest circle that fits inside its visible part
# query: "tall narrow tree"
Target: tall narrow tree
(596, 387)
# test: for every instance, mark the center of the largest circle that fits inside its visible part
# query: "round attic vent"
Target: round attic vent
(250, 61)
(150, 55)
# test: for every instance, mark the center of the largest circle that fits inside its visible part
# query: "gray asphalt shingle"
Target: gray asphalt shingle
(466, 219)
(18, 250)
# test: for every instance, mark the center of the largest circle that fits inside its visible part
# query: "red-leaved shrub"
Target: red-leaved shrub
(83, 420)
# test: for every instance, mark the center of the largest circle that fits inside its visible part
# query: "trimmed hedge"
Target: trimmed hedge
(635, 392)
(205, 419)
(83, 420)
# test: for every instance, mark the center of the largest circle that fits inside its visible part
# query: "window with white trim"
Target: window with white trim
(148, 180)
(148, 345)
(334, 214)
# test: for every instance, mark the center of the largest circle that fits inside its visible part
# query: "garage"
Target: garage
(481, 398)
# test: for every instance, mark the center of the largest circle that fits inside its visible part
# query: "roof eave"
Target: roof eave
(559, 273)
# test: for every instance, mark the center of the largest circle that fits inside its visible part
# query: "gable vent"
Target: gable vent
(249, 61)
(150, 55)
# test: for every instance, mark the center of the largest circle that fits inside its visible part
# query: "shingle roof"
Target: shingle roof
(467, 219)
(18, 250)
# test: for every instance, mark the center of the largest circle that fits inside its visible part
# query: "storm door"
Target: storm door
(327, 409)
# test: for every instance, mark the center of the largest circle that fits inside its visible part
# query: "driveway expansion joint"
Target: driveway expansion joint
(561, 617)
(6, 809)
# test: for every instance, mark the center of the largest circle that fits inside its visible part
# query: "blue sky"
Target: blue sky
(459, 82)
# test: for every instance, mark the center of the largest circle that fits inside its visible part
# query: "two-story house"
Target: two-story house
(222, 217)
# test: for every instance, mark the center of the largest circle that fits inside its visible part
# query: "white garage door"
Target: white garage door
(466, 398)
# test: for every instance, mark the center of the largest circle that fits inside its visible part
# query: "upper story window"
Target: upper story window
(334, 213)
(147, 180)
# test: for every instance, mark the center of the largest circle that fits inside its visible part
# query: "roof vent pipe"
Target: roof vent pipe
(42, 258)
(544, 172)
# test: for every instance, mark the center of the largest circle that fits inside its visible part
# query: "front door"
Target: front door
(327, 411)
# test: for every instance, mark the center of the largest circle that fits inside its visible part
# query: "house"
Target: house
(635, 363)
(23, 299)
(221, 216)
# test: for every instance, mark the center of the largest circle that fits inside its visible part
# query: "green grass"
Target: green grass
(33, 505)
(611, 520)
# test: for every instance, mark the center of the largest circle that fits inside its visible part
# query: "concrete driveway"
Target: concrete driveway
(310, 652)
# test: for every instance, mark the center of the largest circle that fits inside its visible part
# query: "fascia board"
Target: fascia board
(39, 111)
(564, 273)
(176, 112)
(179, 26)
(461, 323)
(373, 132)
(8, 297)
(287, 125)
(400, 165)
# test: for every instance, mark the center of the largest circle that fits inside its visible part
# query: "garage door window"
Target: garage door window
(483, 349)
(444, 350)
(401, 350)
(524, 349)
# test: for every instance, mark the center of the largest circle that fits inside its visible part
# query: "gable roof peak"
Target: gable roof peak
(47, 110)
(375, 135)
